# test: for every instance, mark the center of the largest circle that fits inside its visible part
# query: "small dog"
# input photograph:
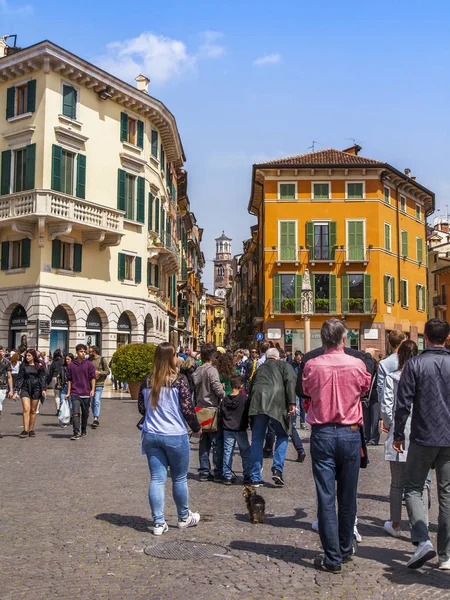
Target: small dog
(256, 505)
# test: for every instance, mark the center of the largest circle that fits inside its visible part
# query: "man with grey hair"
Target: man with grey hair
(335, 383)
(272, 401)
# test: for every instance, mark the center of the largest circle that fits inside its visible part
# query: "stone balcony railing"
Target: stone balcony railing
(61, 213)
(165, 247)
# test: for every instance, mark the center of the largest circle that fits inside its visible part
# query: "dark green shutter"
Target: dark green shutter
(121, 189)
(149, 273)
(140, 213)
(56, 254)
(81, 176)
(156, 272)
(121, 266)
(138, 269)
(31, 96)
(404, 293)
(404, 235)
(6, 172)
(56, 167)
(123, 127)
(367, 293)
(283, 240)
(310, 237)
(386, 289)
(419, 250)
(10, 102)
(173, 290)
(150, 211)
(298, 294)
(154, 143)
(26, 253)
(345, 292)
(77, 257)
(162, 158)
(332, 238)
(168, 240)
(393, 290)
(333, 294)
(30, 168)
(417, 296)
(140, 134)
(69, 101)
(5, 256)
(276, 293)
(157, 215)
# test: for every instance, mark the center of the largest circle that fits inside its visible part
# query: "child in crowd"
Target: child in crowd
(234, 412)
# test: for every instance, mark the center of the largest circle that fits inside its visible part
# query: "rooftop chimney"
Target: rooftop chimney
(355, 149)
(142, 83)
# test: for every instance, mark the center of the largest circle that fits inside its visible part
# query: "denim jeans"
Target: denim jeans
(165, 451)
(418, 463)
(80, 405)
(96, 401)
(336, 457)
(229, 441)
(63, 396)
(210, 441)
(295, 438)
(259, 427)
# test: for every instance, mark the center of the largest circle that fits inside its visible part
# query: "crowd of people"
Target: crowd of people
(347, 396)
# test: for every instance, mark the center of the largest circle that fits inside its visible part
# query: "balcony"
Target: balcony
(166, 250)
(349, 306)
(61, 213)
(440, 301)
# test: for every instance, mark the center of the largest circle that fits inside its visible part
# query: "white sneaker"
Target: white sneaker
(191, 520)
(444, 565)
(356, 534)
(424, 552)
(315, 525)
(160, 528)
(392, 530)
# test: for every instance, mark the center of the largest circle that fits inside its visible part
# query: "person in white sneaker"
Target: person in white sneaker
(166, 403)
(407, 349)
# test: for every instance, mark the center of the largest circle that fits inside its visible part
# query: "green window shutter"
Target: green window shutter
(345, 282)
(56, 167)
(356, 240)
(138, 269)
(351, 239)
(292, 249)
(26, 253)
(69, 101)
(360, 239)
(31, 96)
(283, 240)
(140, 213)
(404, 292)
(332, 237)
(157, 215)
(168, 231)
(121, 189)
(77, 257)
(298, 294)
(149, 273)
(387, 237)
(276, 281)
(404, 243)
(140, 134)
(123, 127)
(154, 143)
(10, 102)
(162, 158)
(163, 224)
(417, 297)
(30, 168)
(156, 273)
(6, 172)
(56, 254)
(386, 289)
(393, 290)
(367, 293)
(5, 256)
(121, 266)
(81, 176)
(333, 294)
(150, 211)
(173, 289)
(419, 250)
(321, 190)
(310, 237)
(287, 191)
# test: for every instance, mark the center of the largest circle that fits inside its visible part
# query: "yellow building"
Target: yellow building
(88, 205)
(358, 226)
(215, 320)
(439, 267)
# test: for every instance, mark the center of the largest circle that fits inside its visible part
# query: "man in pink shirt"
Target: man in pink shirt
(335, 382)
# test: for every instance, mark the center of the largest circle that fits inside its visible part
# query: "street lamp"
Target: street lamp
(307, 308)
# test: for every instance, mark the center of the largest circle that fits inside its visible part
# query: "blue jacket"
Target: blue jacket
(425, 386)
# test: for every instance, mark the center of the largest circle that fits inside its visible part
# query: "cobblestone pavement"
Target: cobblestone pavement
(75, 516)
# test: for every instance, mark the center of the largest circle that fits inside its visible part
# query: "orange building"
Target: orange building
(358, 226)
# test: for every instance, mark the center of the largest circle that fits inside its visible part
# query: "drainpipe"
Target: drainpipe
(399, 292)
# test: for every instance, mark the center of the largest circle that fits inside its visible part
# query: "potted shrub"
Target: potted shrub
(355, 305)
(288, 305)
(131, 363)
(322, 305)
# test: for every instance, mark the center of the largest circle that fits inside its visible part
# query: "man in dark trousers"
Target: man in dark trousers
(81, 377)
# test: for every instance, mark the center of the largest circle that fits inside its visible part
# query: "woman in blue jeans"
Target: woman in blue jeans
(165, 401)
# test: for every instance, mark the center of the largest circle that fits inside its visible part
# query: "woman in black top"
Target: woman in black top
(30, 387)
(52, 374)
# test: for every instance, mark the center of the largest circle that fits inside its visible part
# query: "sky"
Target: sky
(250, 81)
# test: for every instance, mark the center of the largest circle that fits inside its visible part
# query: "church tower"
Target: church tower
(222, 266)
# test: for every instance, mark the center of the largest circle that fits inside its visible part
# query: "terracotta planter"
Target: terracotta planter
(134, 389)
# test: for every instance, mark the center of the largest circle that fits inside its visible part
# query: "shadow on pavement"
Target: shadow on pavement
(373, 497)
(298, 556)
(137, 523)
(291, 522)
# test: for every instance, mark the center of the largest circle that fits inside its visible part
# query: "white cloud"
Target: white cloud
(15, 11)
(159, 57)
(267, 59)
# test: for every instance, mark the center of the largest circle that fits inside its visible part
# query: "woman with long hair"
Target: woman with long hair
(397, 462)
(188, 368)
(30, 387)
(52, 375)
(15, 367)
(165, 401)
(61, 381)
(226, 368)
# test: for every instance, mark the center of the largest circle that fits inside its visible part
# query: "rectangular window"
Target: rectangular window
(419, 247)
(20, 161)
(66, 256)
(321, 190)
(387, 194)
(355, 190)
(321, 291)
(355, 240)
(404, 293)
(389, 289)
(418, 212)
(69, 101)
(21, 99)
(403, 204)
(130, 196)
(387, 237)
(287, 242)
(132, 131)
(129, 267)
(287, 191)
(155, 143)
(67, 172)
(356, 293)
(420, 297)
(15, 254)
(444, 294)
(404, 236)
(321, 241)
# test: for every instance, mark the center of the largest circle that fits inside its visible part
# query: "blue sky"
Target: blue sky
(250, 81)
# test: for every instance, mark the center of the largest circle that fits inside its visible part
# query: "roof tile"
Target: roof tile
(322, 157)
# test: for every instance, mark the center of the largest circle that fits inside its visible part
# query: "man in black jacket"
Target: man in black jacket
(425, 383)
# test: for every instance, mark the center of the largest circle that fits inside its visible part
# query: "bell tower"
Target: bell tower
(222, 266)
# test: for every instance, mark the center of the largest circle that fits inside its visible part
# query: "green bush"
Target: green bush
(133, 362)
